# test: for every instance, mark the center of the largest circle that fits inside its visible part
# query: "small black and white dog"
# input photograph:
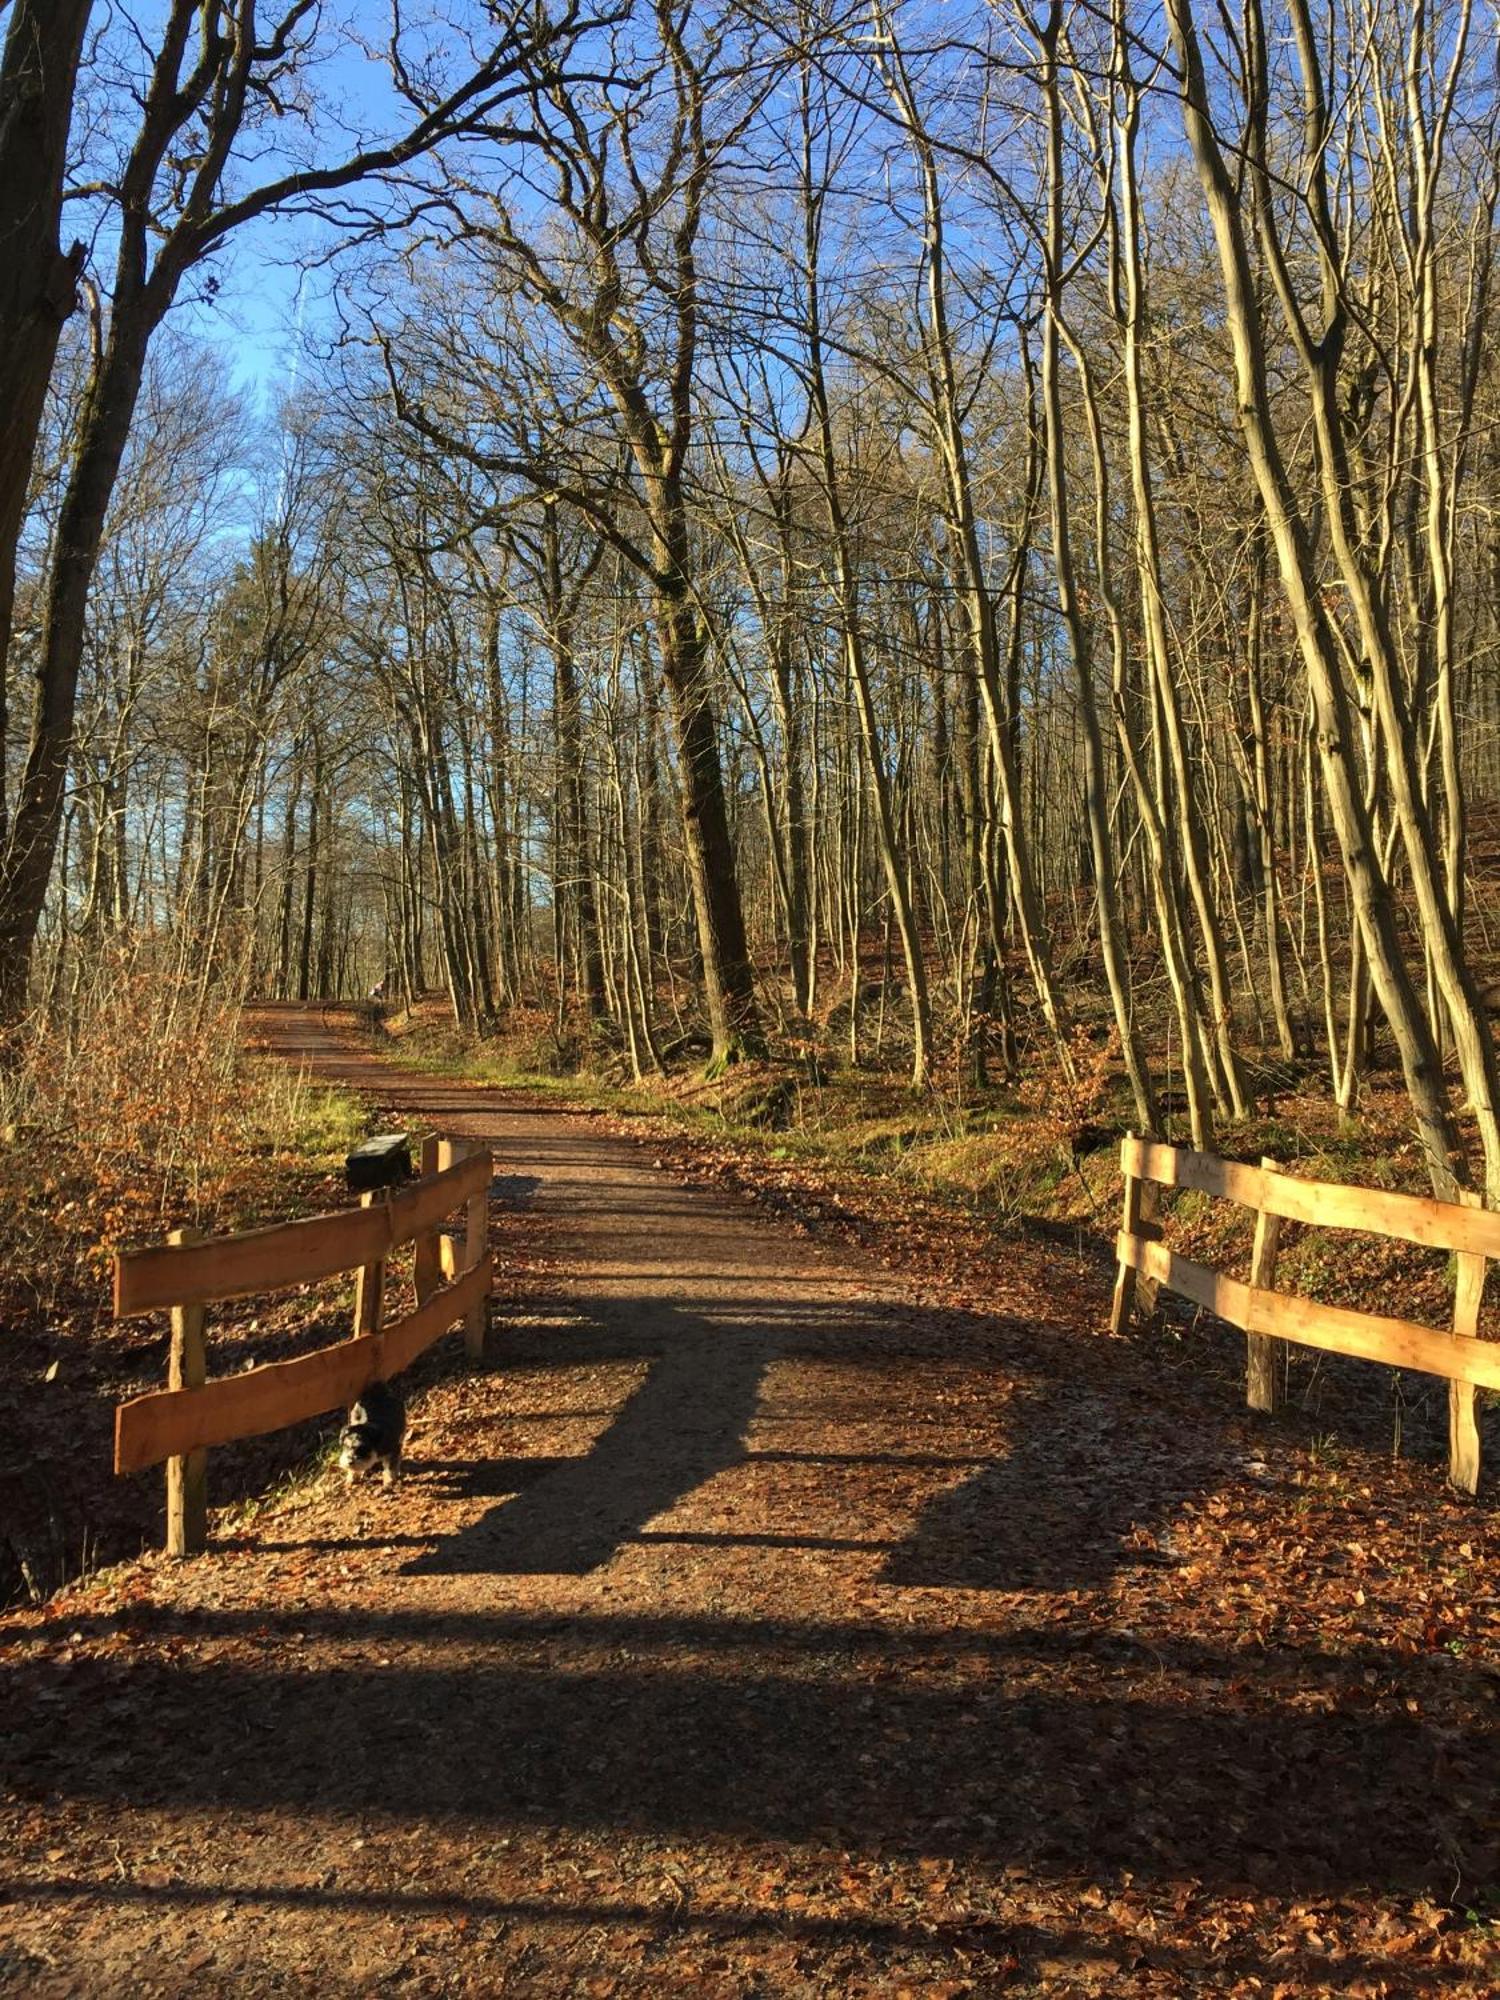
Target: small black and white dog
(374, 1434)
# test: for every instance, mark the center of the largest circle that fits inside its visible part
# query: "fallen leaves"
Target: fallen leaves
(969, 1653)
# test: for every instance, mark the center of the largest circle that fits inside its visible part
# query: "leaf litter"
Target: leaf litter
(819, 1610)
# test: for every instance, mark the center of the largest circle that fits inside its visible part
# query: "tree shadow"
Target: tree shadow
(877, 1938)
(1087, 1473)
(686, 1422)
(1177, 1761)
(1090, 1484)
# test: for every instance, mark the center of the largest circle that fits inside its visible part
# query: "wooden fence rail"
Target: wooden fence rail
(1266, 1315)
(452, 1274)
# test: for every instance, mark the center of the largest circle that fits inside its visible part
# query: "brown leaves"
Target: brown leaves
(973, 1655)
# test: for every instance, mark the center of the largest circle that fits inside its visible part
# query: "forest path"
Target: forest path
(753, 1623)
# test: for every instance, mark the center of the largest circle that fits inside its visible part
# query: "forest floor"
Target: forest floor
(806, 1598)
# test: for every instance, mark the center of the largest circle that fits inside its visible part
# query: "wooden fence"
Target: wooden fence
(1265, 1315)
(188, 1273)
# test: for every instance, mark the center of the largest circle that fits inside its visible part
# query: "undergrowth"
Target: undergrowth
(133, 1109)
(137, 1109)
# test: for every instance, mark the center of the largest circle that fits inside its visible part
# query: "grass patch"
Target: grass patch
(289, 1113)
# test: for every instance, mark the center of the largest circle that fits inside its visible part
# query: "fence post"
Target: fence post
(187, 1477)
(1262, 1349)
(369, 1288)
(449, 1153)
(427, 1268)
(1131, 1218)
(1463, 1423)
(476, 1242)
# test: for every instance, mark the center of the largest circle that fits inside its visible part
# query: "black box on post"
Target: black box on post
(382, 1162)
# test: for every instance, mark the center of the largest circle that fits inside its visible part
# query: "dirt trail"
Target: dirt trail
(751, 1624)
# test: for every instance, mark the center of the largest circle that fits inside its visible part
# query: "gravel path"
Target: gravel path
(750, 1624)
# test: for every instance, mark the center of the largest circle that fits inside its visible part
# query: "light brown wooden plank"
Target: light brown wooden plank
(1410, 1218)
(1399, 1343)
(369, 1281)
(187, 1475)
(290, 1253)
(1261, 1354)
(1206, 1287)
(286, 1392)
(260, 1260)
(451, 1153)
(455, 1261)
(1131, 1217)
(262, 1399)
(1176, 1166)
(1463, 1416)
(1464, 1446)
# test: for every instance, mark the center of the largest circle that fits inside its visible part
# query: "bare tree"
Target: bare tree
(214, 79)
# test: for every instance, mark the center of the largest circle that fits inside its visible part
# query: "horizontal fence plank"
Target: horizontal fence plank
(1398, 1343)
(291, 1253)
(173, 1421)
(258, 1260)
(1409, 1218)
(1206, 1173)
(1227, 1297)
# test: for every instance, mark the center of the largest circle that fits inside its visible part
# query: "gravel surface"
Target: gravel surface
(758, 1621)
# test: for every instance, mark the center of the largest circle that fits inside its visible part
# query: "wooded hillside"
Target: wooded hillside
(976, 527)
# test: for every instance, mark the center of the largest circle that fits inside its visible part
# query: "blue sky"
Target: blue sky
(251, 319)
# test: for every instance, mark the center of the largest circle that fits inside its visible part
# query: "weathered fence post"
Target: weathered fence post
(449, 1153)
(1131, 1217)
(1147, 1287)
(476, 1241)
(1463, 1422)
(1142, 1205)
(187, 1477)
(1262, 1350)
(369, 1284)
(427, 1265)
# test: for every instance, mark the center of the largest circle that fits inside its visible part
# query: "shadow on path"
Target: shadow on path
(686, 1422)
(1058, 1754)
(1057, 1487)
(874, 1937)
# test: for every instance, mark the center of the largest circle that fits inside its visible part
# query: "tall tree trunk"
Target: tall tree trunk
(1101, 844)
(1368, 886)
(729, 983)
(38, 292)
